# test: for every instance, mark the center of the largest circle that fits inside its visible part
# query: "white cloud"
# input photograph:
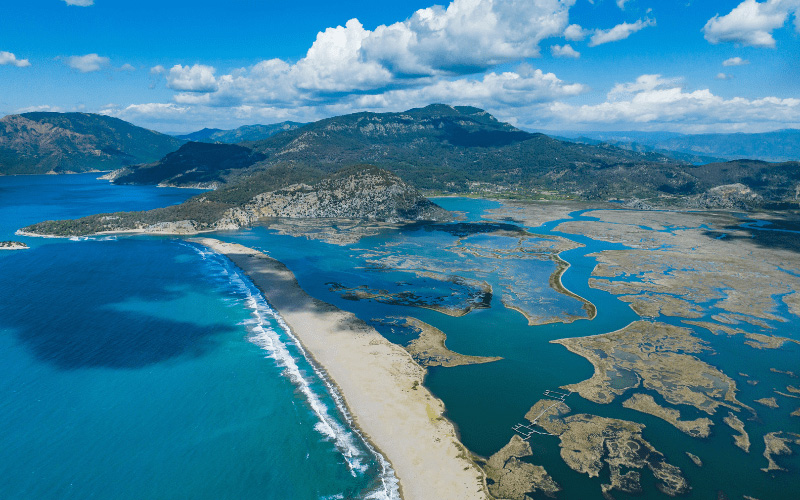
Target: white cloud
(157, 70)
(751, 22)
(468, 34)
(619, 32)
(87, 63)
(564, 51)
(335, 63)
(80, 3)
(127, 67)
(43, 107)
(466, 37)
(9, 58)
(724, 76)
(735, 61)
(575, 32)
(196, 78)
(654, 100)
(521, 88)
(621, 4)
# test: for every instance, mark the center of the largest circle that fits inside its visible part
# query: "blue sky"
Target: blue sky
(180, 65)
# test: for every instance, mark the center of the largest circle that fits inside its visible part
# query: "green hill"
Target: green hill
(356, 192)
(439, 147)
(241, 134)
(38, 143)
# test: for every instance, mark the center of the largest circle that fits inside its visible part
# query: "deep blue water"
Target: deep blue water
(137, 368)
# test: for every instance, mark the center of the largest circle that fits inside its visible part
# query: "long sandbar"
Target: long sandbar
(379, 381)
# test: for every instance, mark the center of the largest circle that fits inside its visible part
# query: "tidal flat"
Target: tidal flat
(656, 330)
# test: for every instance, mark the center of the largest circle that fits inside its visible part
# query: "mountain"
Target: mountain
(195, 164)
(200, 136)
(466, 150)
(38, 143)
(241, 134)
(439, 147)
(356, 192)
(693, 158)
(777, 146)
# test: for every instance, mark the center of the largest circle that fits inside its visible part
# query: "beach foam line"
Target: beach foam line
(380, 382)
(263, 335)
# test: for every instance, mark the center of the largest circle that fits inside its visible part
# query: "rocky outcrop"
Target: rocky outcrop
(363, 192)
(12, 245)
(727, 197)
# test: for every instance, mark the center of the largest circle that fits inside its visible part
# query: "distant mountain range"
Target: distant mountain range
(439, 147)
(241, 134)
(39, 143)
(777, 146)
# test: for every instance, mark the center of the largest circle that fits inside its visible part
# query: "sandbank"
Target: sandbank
(379, 381)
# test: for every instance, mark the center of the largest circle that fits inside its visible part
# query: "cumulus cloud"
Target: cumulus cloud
(466, 35)
(11, 59)
(724, 76)
(87, 63)
(735, 61)
(127, 67)
(42, 107)
(196, 78)
(564, 51)
(751, 22)
(652, 99)
(619, 32)
(621, 4)
(575, 32)
(80, 3)
(524, 87)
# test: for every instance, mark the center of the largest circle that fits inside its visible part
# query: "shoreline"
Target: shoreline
(380, 383)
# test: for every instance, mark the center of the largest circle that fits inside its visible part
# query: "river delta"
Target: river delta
(581, 351)
(646, 353)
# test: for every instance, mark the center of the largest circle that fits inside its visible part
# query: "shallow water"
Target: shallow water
(485, 401)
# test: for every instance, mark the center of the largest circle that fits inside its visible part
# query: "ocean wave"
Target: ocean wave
(346, 438)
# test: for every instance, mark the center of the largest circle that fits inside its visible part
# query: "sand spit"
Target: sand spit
(380, 382)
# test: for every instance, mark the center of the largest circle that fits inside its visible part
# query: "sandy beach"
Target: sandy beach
(379, 381)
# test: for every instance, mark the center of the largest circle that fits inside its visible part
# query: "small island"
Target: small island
(12, 245)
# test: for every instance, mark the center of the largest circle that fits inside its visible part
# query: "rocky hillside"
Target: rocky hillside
(358, 192)
(241, 134)
(38, 143)
(452, 149)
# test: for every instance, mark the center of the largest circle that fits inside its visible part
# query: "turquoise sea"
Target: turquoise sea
(142, 367)
(138, 368)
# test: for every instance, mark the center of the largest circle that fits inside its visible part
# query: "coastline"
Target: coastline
(379, 381)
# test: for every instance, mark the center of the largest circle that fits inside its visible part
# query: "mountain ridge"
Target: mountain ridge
(46, 142)
(438, 147)
(241, 134)
(775, 146)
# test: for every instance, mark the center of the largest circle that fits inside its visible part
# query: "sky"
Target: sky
(692, 66)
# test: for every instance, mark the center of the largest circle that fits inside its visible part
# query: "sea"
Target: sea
(147, 367)
(144, 368)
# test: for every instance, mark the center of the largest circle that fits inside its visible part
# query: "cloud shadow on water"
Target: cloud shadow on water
(60, 301)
